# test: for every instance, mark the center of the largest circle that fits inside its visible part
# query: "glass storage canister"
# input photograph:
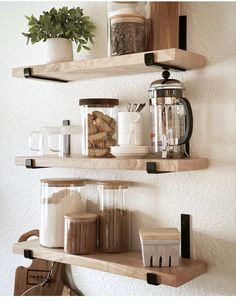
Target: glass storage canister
(114, 217)
(126, 27)
(99, 122)
(80, 233)
(59, 197)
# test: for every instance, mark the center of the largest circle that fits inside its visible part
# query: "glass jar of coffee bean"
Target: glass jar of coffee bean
(126, 28)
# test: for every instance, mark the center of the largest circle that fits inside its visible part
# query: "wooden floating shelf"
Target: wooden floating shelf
(112, 66)
(162, 165)
(127, 264)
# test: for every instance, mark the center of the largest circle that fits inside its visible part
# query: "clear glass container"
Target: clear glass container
(126, 27)
(99, 122)
(114, 217)
(59, 197)
(80, 233)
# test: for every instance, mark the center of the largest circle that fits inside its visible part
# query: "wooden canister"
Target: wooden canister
(162, 25)
(80, 233)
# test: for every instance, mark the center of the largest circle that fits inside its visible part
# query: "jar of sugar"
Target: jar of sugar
(59, 197)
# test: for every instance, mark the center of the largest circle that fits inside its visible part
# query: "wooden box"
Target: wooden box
(160, 246)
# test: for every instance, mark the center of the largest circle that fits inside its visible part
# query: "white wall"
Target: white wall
(208, 195)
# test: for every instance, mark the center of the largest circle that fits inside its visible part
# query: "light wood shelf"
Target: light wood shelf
(127, 264)
(112, 66)
(162, 165)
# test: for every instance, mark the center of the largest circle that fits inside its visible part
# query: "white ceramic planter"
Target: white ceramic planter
(59, 50)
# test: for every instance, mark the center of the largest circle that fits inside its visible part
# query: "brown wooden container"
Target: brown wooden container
(80, 233)
(163, 25)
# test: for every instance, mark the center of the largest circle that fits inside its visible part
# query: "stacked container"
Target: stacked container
(80, 233)
(126, 27)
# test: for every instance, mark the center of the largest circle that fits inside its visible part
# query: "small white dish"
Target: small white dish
(129, 155)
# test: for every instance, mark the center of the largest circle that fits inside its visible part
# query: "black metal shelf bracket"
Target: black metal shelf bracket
(151, 168)
(152, 279)
(30, 163)
(185, 236)
(28, 74)
(183, 32)
(28, 254)
(150, 61)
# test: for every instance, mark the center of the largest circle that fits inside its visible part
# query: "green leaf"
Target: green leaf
(63, 22)
(79, 48)
(86, 47)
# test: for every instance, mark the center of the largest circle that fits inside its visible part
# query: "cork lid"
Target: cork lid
(159, 234)
(81, 216)
(64, 182)
(99, 102)
(114, 184)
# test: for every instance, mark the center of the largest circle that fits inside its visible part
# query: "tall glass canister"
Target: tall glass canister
(99, 122)
(126, 27)
(114, 217)
(59, 197)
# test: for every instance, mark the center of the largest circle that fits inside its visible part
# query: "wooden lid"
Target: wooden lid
(99, 102)
(114, 184)
(128, 16)
(81, 216)
(159, 234)
(63, 182)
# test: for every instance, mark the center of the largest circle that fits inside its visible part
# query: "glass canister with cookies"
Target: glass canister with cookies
(99, 122)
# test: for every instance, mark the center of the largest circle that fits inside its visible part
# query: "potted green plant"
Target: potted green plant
(59, 28)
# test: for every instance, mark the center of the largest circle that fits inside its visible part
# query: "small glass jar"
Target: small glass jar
(59, 197)
(114, 218)
(80, 233)
(126, 27)
(99, 122)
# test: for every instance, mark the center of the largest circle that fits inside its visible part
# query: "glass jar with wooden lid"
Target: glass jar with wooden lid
(99, 122)
(59, 197)
(126, 27)
(114, 217)
(80, 233)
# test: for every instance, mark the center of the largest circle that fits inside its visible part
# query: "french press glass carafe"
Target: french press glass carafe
(171, 118)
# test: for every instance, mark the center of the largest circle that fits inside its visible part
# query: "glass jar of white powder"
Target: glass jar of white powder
(59, 197)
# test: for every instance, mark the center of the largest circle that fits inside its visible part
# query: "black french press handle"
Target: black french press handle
(188, 121)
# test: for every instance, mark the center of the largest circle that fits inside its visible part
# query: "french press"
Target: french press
(171, 118)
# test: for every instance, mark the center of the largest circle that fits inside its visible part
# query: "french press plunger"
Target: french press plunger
(171, 117)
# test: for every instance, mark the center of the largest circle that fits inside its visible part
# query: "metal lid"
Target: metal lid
(114, 184)
(81, 216)
(99, 102)
(166, 84)
(64, 182)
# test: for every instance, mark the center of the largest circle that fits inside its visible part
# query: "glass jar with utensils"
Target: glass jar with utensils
(136, 107)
